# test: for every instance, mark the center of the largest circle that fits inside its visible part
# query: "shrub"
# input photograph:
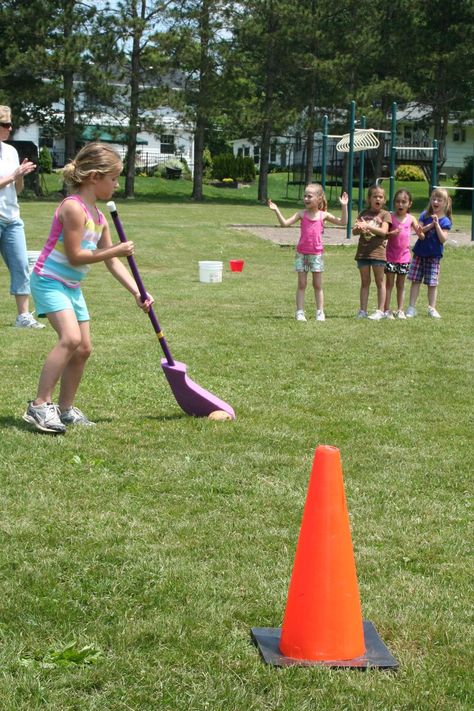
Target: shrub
(45, 160)
(226, 165)
(463, 198)
(409, 174)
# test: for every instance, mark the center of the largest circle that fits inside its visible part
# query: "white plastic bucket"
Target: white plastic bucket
(210, 272)
(32, 257)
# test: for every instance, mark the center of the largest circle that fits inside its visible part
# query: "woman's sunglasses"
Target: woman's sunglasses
(6, 124)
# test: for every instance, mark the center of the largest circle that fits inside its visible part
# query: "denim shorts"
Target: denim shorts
(425, 269)
(370, 263)
(51, 295)
(13, 251)
(309, 262)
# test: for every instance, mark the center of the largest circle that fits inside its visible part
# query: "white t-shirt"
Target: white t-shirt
(9, 162)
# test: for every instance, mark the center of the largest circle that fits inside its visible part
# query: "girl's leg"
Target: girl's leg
(318, 290)
(302, 281)
(364, 287)
(379, 273)
(69, 338)
(72, 373)
(432, 296)
(389, 281)
(400, 291)
(414, 291)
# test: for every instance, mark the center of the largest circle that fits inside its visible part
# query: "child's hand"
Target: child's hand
(435, 219)
(272, 205)
(361, 225)
(344, 199)
(145, 305)
(125, 249)
(418, 230)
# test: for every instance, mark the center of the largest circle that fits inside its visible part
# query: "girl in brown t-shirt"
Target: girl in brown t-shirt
(372, 226)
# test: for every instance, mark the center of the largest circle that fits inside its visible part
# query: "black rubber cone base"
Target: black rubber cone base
(376, 655)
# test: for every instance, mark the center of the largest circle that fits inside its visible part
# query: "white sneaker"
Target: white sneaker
(320, 315)
(432, 312)
(299, 316)
(400, 314)
(44, 417)
(389, 315)
(377, 315)
(362, 314)
(26, 320)
(410, 312)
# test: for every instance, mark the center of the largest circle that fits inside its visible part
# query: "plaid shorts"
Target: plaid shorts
(397, 268)
(309, 262)
(425, 269)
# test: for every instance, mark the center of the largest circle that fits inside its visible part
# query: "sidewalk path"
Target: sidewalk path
(288, 236)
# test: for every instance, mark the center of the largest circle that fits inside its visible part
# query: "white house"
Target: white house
(175, 138)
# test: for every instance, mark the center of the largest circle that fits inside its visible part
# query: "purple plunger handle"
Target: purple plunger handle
(136, 274)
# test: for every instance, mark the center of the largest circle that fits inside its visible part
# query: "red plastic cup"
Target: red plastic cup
(236, 265)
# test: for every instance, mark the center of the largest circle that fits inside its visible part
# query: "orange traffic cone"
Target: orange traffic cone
(323, 620)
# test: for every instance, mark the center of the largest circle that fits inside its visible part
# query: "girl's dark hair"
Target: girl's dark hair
(407, 193)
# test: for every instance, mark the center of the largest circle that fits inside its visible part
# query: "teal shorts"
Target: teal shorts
(309, 262)
(51, 295)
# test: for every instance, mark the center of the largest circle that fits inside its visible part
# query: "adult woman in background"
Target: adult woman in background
(12, 234)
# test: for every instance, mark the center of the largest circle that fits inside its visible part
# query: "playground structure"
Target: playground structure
(328, 159)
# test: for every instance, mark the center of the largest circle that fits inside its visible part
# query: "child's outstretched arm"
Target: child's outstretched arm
(284, 223)
(342, 220)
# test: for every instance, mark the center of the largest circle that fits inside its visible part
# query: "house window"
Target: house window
(256, 154)
(167, 143)
(246, 151)
(240, 151)
(273, 153)
(459, 134)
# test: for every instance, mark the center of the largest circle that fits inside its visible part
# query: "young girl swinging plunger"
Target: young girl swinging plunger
(79, 237)
(309, 250)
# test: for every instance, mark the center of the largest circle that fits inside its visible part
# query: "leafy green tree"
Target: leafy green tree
(194, 39)
(263, 75)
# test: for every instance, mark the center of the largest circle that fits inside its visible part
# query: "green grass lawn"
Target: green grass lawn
(156, 541)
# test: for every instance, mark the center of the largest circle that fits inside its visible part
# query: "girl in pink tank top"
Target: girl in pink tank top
(398, 251)
(309, 250)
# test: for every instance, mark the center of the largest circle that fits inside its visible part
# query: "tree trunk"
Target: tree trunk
(264, 160)
(134, 106)
(203, 99)
(199, 136)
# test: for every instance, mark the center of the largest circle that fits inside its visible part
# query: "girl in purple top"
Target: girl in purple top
(398, 251)
(309, 250)
(428, 250)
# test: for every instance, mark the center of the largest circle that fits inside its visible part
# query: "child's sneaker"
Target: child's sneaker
(377, 315)
(410, 312)
(74, 416)
(362, 314)
(400, 314)
(389, 315)
(320, 316)
(44, 417)
(27, 321)
(299, 316)
(432, 312)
